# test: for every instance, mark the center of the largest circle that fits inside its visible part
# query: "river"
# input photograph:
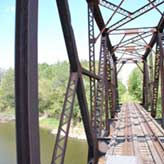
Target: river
(76, 151)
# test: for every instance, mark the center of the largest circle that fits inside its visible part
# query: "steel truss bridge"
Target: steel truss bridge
(111, 128)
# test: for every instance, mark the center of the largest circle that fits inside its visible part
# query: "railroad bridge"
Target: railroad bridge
(115, 132)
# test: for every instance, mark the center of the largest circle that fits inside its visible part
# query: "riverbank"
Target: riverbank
(51, 124)
(6, 117)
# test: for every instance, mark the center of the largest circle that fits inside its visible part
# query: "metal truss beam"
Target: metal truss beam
(65, 121)
(160, 28)
(106, 88)
(155, 82)
(115, 87)
(92, 63)
(102, 95)
(161, 47)
(26, 82)
(111, 88)
(100, 89)
(135, 15)
(132, 40)
(65, 19)
(122, 64)
(151, 72)
(113, 7)
(145, 85)
(100, 22)
(142, 70)
(90, 74)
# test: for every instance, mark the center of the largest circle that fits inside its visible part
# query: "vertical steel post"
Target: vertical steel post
(151, 78)
(26, 82)
(145, 84)
(155, 82)
(102, 96)
(106, 83)
(113, 85)
(161, 46)
(92, 61)
(100, 89)
(116, 86)
(110, 84)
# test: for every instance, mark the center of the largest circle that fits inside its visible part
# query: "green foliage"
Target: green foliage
(121, 88)
(53, 81)
(135, 84)
(52, 86)
(7, 90)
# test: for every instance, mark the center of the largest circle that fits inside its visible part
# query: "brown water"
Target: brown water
(76, 152)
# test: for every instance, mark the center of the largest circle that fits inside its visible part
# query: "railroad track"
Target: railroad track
(137, 134)
(156, 147)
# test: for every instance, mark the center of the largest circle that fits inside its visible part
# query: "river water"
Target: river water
(76, 151)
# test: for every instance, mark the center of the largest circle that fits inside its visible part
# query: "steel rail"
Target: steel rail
(153, 134)
(128, 130)
(143, 132)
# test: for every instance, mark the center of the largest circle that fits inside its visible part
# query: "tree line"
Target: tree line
(52, 87)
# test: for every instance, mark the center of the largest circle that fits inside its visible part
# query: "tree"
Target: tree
(7, 91)
(52, 87)
(121, 88)
(135, 84)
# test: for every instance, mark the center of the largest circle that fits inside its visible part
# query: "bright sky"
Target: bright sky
(51, 46)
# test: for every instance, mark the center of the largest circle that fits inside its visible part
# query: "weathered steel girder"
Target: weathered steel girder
(155, 82)
(135, 14)
(65, 120)
(26, 82)
(92, 63)
(113, 7)
(100, 90)
(100, 22)
(145, 85)
(103, 86)
(161, 50)
(103, 90)
(75, 67)
(153, 40)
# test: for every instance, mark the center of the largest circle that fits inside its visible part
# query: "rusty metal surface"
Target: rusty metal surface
(65, 121)
(132, 131)
(26, 82)
(156, 82)
(134, 48)
(92, 63)
(161, 47)
(75, 67)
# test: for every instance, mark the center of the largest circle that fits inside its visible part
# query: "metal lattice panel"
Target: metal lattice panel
(91, 60)
(155, 82)
(65, 121)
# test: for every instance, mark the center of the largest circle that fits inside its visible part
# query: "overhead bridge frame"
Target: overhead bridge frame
(104, 97)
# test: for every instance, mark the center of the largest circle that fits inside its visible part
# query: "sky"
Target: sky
(51, 46)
